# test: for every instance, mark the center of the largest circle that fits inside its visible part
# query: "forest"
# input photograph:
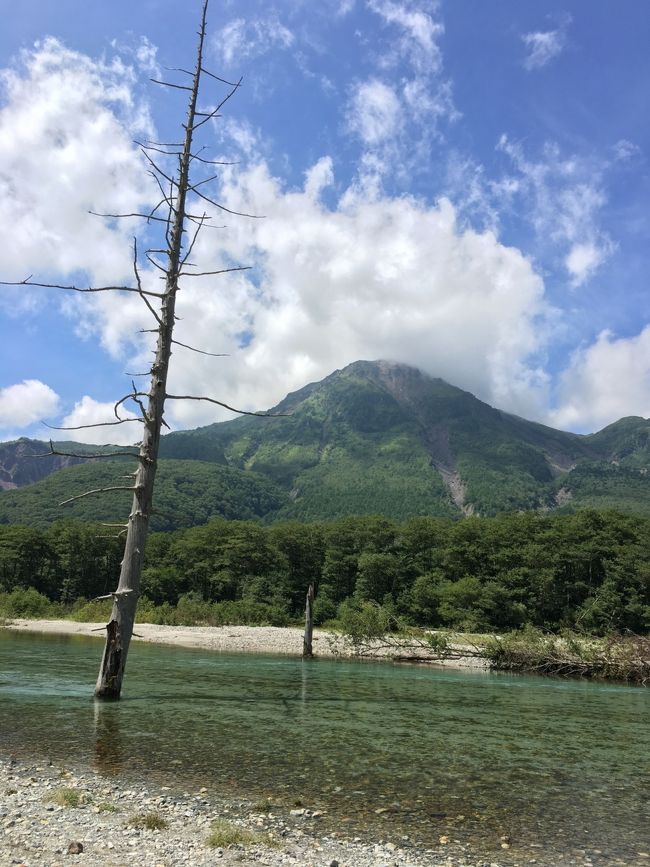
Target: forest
(588, 571)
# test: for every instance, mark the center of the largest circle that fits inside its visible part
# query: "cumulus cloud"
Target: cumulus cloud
(88, 411)
(390, 278)
(66, 125)
(605, 381)
(543, 46)
(26, 402)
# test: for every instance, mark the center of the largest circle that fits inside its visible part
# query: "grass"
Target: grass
(224, 834)
(150, 821)
(65, 797)
(106, 807)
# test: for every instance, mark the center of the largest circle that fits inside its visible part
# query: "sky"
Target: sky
(460, 185)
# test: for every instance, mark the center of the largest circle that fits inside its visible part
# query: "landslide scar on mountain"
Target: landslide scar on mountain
(437, 441)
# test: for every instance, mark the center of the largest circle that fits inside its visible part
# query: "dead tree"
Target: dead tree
(307, 644)
(175, 190)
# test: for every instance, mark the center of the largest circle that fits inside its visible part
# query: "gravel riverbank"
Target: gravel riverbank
(52, 817)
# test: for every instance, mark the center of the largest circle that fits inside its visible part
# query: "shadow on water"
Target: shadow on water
(385, 749)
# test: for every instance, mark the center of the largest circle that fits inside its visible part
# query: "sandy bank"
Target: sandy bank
(230, 639)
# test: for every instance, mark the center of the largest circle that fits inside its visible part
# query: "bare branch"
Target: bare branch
(216, 78)
(153, 312)
(117, 592)
(136, 399)
(211, 273)
(97, 491)
(88, 455)
(157, 150)
(84, 426)
(169, 84)
(158, 169)
(225, 405)
(122, 216)
(197, 222)
(214, 162)
(223, 207)
(215, 112)
(201, 351)
(179, 69)
(193, 242)
(163, 144)
(29, 282)
(153, 262)
(169, 199)
(206, 181)
(134, 395)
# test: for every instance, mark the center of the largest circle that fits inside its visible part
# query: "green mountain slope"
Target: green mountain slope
(373, 438)
(187, 493)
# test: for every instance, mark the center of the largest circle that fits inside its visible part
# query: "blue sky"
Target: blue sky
(462, 186)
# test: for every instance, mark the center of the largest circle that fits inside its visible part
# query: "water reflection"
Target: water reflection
(109, 750)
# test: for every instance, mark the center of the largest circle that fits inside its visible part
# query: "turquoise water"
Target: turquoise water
(561, 765)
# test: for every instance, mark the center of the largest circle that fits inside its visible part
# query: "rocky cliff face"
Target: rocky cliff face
(20, 464)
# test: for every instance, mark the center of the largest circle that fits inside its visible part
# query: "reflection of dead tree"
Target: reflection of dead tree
(175, 189)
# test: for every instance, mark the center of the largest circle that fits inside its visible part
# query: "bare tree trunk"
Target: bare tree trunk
(307, 650)
(120, 627)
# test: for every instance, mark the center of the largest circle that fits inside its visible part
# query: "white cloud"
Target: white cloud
(88, 411)
(389, 278)
(583, 260)
(25, 403)
(420, 33)
(625, 150)
(562, 197)
(398, 112)
(605, 381)
(374, 112)
(66, 125)
(242, 39)
(543, 46)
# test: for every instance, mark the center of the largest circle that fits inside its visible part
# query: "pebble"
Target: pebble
(38, 833)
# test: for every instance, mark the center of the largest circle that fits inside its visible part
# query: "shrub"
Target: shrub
(91, 612)
(26, 602)
(224, 834)
(150, 821)
(65, 797)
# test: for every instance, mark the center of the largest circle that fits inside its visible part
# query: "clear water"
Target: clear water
(561, 767)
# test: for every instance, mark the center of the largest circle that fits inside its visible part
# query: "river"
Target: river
(552, 766)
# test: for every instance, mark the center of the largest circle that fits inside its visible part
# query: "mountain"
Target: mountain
(25, 461)
(376, 437)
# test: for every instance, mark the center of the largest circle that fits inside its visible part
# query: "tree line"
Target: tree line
(589, 570)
